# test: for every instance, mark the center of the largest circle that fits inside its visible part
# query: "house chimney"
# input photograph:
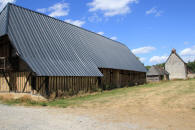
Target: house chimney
(173, 50)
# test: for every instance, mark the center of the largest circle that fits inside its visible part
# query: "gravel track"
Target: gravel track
(35, 118)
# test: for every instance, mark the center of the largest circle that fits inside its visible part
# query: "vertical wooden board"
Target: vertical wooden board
(70, 83)
(85, 87)
(40, 85)
(65, 83)
(83, 83)
(79, 83)
(50, 84)
(29, 84)
(1, 85)
(74, 87)
(53, 85)
(75, 84)
(88, 84)
(57, 83)
(44, 85)
(81, 78)
(62, 84)
(26, 81)
(18, 81)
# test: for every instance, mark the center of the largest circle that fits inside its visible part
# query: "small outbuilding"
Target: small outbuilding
(156, 74)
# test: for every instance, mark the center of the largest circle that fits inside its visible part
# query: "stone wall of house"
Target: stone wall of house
(176, 67)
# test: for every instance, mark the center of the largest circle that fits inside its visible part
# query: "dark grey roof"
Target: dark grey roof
(155, 70)
(176, 55)
(55, 48)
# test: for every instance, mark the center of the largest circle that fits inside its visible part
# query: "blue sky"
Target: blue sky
(150, 28)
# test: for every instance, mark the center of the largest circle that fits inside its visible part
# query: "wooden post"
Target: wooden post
(118, 83)
(47, 86)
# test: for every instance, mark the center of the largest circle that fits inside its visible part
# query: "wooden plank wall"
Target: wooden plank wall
(55, 84)
(122, 78)
(48, 85)
(3, 84)
(64, 85)
(17, 81)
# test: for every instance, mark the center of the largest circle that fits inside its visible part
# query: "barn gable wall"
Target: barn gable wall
(176, 67)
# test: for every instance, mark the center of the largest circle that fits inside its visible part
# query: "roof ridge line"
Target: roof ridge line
(66, 23)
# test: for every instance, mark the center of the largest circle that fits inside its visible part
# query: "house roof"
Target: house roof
(174, 52)
(52, 47)
(155, 70)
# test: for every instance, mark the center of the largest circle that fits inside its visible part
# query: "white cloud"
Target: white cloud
(188, 58)
(188, 51)
(43, 10)
(113, 38)
(158, 59)
(75, 22)
(57, 10)
(111, 7)
(154, 11)
(94, 18)
(188, 54)
(100, 33)
(142, 59)
(143, 50)
(3, 3)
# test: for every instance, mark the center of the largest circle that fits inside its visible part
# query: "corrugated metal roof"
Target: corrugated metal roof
(3, 21)
(55, 48)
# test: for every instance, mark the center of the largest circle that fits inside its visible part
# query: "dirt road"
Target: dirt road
(34, 118)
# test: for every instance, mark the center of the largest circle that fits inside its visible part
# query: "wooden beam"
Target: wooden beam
(27, 81)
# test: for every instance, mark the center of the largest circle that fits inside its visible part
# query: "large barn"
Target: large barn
(176, 67)
(41, 54)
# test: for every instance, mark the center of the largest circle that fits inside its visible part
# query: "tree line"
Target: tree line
(190, 65)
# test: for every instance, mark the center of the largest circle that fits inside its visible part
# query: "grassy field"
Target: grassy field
(163, 105)
(169, 92)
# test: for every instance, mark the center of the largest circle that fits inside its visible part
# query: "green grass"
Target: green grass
(106, 96)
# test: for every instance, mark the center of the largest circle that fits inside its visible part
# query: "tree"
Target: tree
(191, 66)
(148, 67)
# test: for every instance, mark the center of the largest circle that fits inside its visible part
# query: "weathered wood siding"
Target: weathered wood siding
(46, 85)
(17, 81)
(155, 78)
(120, 78)
(22, 82)
(176, 67)
(4, 87)
(63, 85)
